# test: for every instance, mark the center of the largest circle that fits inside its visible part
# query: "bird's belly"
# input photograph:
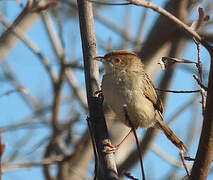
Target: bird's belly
(139, 109)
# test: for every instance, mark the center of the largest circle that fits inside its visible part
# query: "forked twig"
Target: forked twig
(184, 164)
(199, 82)
(136, 139)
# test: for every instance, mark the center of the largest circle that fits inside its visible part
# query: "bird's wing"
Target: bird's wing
(150, 93)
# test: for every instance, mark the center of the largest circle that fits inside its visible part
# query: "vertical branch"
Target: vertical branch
(199, 63)
(204, 154)
(107, 168)
(59, 52)
(56, 130)
(57, 100)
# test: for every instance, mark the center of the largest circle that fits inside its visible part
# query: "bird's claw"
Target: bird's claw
(99, 93)
(109, 148)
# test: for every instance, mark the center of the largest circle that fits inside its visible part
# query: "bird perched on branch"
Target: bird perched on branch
(125, 83)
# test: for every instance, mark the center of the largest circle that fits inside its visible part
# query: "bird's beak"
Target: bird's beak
(99, 58)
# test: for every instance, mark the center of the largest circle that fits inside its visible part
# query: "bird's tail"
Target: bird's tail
(170, 134)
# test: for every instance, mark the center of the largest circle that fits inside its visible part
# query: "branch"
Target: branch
(28, 165)
(21, 35)
(24, 21)
(204, 154)
(59, 51)
(107, 165)
(168, 15)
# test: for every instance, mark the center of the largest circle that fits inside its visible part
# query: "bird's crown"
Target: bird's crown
(120, 52)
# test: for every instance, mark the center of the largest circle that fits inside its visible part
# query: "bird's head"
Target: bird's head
(120, 60)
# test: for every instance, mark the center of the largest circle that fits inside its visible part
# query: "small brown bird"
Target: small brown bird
(126, 83)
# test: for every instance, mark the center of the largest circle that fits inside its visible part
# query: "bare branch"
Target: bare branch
(106, 161)
(59, 51)
(108, 3)
(19, 33)
(168, 15)
(199, 82)
(24, 21)
(19, 89)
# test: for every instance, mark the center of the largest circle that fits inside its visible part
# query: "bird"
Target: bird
(130, 93)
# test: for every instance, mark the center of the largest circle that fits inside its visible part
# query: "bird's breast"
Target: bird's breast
(120, 90)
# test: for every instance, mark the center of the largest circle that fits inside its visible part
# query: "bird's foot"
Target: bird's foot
(109, 148)
(99, 94)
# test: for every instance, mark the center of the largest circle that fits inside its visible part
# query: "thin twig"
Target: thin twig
(199, 63)
(202, 92)
(129, 176)
(168, 15)
(24, 21)
(58, 87)
(199, 82)
(141, 29)
(60, 53)
(109, 24)
(107, 3)
(136, 139)
(184, 164)
(28, 98)
(175, 91)
(27, 165)
(45, 6)
(20, 89)
(187, 158)
(32, 46)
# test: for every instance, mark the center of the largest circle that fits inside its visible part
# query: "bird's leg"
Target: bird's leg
(109, 148)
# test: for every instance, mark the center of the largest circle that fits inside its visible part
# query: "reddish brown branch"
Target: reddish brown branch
(199, 82)
(2, 149)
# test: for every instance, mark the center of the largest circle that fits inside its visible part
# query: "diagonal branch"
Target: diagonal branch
(24, 21)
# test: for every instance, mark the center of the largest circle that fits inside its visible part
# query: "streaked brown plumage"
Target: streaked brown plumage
(125, 82)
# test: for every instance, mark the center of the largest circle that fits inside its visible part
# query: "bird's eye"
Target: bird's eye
(116, 60)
